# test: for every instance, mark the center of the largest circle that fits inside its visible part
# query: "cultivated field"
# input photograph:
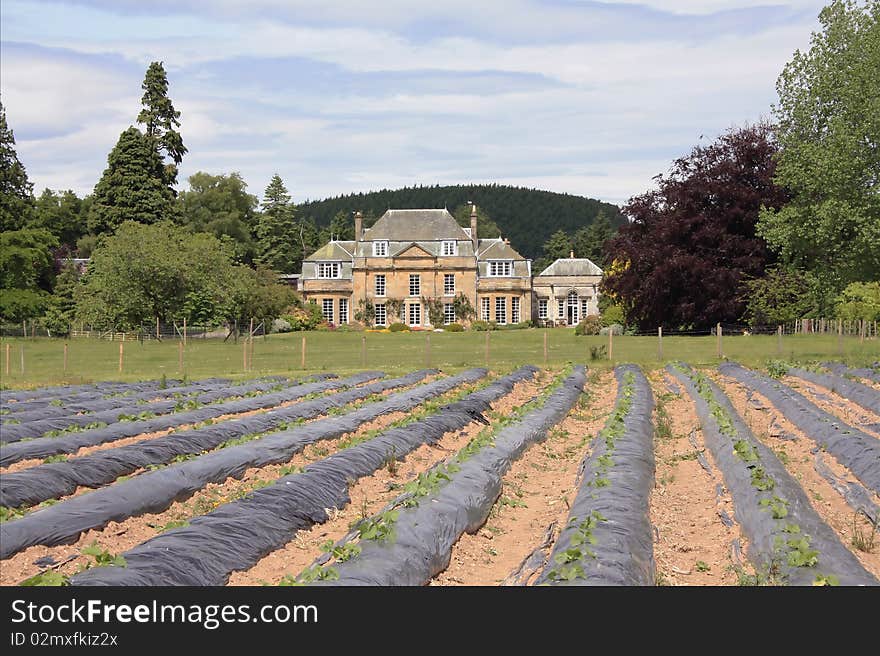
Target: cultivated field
(518, 475)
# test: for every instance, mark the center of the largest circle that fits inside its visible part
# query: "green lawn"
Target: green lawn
(91, 359)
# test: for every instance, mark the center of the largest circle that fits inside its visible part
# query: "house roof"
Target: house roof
(497, 249)
(572, 266)
(416, 225)
(333, 250)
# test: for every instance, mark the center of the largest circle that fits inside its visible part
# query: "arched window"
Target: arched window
(573, 298)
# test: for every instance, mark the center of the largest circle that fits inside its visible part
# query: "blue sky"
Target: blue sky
(589, 98)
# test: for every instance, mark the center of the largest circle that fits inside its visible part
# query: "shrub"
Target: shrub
(350, 328)
(453, 328)
(598, 352)
(589, 325)
(482, 326)
(281, 326)
(614, 329)
(613, 314)
(398, 327)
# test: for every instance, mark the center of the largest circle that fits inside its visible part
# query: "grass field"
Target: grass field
(92, 359)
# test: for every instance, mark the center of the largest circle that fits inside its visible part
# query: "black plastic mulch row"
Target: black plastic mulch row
(861, 372)
(623, 551)
(10, 397)
(109, 410)
(235, 536)
(851, 447)
(94, 395)
(37, 428)
(767, 535)
(71, 443)
(424, 535)
(154, 491)
(858, 393)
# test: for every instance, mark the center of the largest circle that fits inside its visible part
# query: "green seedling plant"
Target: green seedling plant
(102, 557)
(342, 552)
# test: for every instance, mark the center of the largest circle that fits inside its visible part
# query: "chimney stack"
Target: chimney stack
(474, 227)
(358, 228)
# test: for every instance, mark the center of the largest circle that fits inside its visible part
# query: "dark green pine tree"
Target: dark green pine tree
(16, 191)
(160, 120)
(278, 237)
(132, 186)
(588, 242)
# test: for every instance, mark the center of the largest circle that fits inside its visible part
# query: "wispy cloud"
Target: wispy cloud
(584, 97)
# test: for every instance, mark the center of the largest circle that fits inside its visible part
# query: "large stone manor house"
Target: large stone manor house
(410, 259)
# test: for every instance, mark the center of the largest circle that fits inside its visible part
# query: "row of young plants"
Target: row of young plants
(98, 402)
(411, 540)
(15, 398)
(853, 448)
(54, 427)
(155, 491)
(72, 442)
(607, 539)
(859, 393)
(269, 517)
(854, 373)
(788, 542)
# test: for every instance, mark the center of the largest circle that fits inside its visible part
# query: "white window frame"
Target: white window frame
(585, 306)
(560, 309)
(448, 314)
(485, 307)
(449, 248)
(449, 284)
(500, 268)
(415, 314)
(417, 279)
(343, 311)
(332, 268)
(380, 288)
(542, 308)
(381, 314)
(325, 303)
(501, 310)
(380, 248)
(514, 309)
(573, 301)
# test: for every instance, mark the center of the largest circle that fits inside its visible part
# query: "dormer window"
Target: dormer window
(500, 268)
(329, 269)
(450, 247)
(380, 248)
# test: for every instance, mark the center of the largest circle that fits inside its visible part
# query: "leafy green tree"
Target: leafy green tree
(26, 269)
(161, 121)
(558, 246)
(62, 214)
(829, 131)
(221, 206)
(255, 294)
(341, 227)
(278, 240)
(16, 191)
(147, 271)
(131, 187)
(782, 295)
(860, 300)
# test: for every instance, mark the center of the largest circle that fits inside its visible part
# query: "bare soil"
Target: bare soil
(692, 545)
(536, 494)
(837, 405)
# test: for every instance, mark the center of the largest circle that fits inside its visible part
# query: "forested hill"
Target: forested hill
(526, 216)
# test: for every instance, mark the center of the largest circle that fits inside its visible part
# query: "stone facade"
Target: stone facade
(566, 291)
(411, 257)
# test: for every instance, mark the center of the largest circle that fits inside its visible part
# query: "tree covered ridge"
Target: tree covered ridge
(528, 217)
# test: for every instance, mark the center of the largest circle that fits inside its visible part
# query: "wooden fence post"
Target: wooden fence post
(121, 350)
(24, 328)
(840, 337)
(184, 331)
(660, 343)
(302, 362)
(180, 356)
(64, 370)
(779, 340)
(244, 354)
(157, 328)
(718, 338)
